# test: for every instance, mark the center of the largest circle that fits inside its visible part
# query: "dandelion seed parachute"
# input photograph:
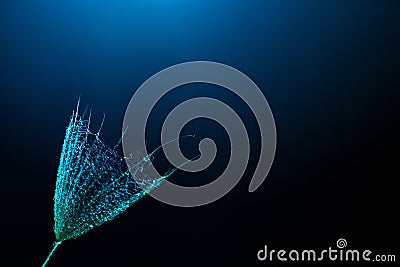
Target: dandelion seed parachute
(94, 184)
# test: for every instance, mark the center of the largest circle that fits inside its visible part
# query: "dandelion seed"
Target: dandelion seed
(94, 184)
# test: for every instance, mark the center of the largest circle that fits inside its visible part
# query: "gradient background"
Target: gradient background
(329, 69)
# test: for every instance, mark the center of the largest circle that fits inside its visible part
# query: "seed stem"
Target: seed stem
(55, 245)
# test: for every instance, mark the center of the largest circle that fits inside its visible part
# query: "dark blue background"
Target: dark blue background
(329, 69)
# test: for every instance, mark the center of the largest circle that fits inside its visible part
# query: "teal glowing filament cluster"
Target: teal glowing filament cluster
(94, 184)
